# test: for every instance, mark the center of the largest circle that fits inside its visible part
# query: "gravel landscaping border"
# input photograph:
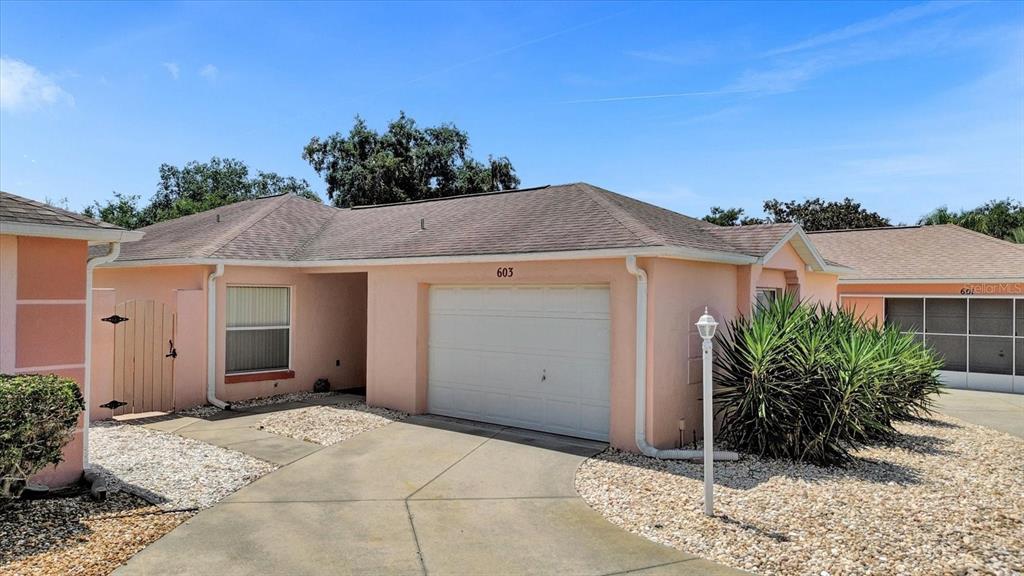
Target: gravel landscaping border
(77, 536)
(207, 410)
(167, 470)
(326, 425)
(946, 498)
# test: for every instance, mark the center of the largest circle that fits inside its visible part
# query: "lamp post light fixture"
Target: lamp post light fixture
(706, 326)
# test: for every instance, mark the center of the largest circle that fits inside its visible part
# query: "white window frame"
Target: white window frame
(291, 328)
(773, 289)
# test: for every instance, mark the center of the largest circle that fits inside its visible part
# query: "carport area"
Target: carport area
(427, 495)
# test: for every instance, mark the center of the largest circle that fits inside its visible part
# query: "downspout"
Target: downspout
(211, 340)
(113, 250)
(641, 379)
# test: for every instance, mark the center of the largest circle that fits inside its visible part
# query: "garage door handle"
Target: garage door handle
(543, 375)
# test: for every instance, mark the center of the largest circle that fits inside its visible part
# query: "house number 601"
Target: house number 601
(505, 272)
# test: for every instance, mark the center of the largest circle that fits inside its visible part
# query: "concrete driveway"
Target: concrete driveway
(996, 410)
(422, 496)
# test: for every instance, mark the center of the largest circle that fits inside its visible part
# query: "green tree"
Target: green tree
(998, 218)
(730, 217)
(403, 163)
(195, 187)
(817, 214)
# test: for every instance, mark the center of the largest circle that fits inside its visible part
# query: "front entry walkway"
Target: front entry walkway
(423, 496)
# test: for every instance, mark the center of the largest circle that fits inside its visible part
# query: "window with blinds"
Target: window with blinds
(258, 328)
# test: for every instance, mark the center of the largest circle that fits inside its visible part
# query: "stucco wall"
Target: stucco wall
(397, 327)
(679, 290)
(47, 329)
(329, 325)
(328, 328)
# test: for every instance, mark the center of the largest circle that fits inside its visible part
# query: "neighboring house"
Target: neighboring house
(520, 307)
(44, 301)
(961, 291)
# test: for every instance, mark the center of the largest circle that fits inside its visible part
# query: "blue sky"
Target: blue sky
(902, 106)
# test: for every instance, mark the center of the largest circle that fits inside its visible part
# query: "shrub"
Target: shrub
(38, 415)
(812, 383)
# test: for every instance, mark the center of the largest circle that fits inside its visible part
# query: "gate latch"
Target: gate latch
(115, 319)
(173, 353)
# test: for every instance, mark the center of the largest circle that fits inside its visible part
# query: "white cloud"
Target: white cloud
(23, 87)
(209, 72)
(173, 69)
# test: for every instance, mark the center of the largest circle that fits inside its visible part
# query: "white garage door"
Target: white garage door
(528, 356)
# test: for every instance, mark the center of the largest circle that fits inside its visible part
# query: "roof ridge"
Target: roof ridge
(870, 228)
(616, 212)
(452, 197)
(1000, 241)
(327, 221)
(253, 219)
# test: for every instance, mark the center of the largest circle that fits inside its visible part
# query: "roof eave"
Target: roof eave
(674, 252)
(90, 234)
(934, 280)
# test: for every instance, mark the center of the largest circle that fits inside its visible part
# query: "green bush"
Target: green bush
(812, 383)
(38, 415)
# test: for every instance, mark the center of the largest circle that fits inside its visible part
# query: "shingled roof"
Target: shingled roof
(19, 215)
(560, 218)
(930, 253)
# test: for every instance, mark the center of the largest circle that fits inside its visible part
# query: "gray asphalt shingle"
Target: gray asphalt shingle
(547, 219)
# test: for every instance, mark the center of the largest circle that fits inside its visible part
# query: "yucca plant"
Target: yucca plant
(813, 383)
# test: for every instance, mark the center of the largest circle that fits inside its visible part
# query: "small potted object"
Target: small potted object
(322, 385)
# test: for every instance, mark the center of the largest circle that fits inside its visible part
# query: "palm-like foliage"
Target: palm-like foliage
(812, 383)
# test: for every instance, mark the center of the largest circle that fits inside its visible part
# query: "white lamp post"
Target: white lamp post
(706, 326)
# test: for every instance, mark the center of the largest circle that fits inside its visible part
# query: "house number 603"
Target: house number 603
(505, 272)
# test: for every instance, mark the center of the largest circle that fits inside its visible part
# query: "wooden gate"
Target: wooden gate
(144, 357)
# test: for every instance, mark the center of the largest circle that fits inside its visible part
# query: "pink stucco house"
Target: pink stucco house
(45, 273)
(558, 308)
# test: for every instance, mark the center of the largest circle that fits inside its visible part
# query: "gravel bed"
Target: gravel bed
(168, 470)
(208, 410)
(328, 425)
(78, 537)
(947, 498)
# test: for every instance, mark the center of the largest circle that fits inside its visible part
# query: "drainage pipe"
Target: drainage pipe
(641, 379)
(113, 250)
(211, 340)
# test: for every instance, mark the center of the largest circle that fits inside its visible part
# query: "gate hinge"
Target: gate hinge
(115, 319)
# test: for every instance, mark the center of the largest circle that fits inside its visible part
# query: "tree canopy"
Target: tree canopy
(999, 218)
(195, 187)
(406, 162)
(813, 215)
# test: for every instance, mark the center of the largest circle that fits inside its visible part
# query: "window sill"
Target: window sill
(259, 376)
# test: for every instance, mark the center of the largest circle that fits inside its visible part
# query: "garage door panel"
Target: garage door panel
(594, 419)
(562, 415)
(531, 356)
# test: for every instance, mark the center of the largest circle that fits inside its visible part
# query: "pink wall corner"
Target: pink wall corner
(190, 343)
(8, 301)
(70, 469)
(680, 290)
(328, 329)
(102, 364)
